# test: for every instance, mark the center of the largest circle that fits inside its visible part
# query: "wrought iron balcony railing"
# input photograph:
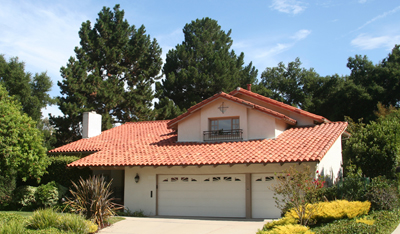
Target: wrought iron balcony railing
(223, 135)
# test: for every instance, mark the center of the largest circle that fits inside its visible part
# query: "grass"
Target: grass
(22, 213)
(115, 219)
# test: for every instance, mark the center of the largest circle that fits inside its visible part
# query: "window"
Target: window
(224, 124)
(227, 129)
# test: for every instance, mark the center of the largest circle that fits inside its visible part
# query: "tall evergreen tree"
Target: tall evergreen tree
(201, 66)
(30, 91)
(112, 74)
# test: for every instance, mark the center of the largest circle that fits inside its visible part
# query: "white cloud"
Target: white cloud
(43, 36)
(277, 49)
(385, 14)
(288, 6)
(281, 47)
(367, 42)
(301, 34)
(362, 1)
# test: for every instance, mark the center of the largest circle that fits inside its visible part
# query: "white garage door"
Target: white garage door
(202, 195)
(263, 203)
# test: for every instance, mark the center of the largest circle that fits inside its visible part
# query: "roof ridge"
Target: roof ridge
(279, 104)
(235, 99)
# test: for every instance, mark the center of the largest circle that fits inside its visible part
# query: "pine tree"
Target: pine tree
(201, 66)
(112, 74)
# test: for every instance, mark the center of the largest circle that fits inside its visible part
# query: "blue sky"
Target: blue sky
(323, 34)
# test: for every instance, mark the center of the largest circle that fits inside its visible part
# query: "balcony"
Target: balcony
(223, 135)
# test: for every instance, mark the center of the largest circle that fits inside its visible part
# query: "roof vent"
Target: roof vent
(91, 124)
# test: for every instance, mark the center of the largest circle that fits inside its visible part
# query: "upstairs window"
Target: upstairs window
(226, 129)
(224, 124)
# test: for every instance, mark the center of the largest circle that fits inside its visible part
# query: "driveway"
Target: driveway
(157, 225)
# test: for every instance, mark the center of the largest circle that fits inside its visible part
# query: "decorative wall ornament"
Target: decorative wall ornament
(223, 108)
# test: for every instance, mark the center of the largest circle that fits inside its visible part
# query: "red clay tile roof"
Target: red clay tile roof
(153, 144)
(196, 107)
(318, 118)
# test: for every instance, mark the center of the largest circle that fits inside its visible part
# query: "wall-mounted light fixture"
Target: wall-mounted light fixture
(137, 178)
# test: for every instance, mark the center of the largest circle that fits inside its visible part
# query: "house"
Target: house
(219, 159)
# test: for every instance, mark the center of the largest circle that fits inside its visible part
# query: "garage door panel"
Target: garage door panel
(263, 203)
(202, 195)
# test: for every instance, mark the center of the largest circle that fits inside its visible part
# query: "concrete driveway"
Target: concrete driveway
(156, 225)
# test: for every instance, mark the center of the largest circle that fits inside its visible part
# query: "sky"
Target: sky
(322, 33)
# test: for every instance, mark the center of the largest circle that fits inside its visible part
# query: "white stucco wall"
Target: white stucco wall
(189, 128)
(331, 165)
(255, 124)
(280, 126)
(260, 125)
(234, 110)
(138, 195)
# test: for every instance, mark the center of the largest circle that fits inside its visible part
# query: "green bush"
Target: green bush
(385, 223)
(24, 197)
(48, 219)
(74, 223)
(47, 194)
(7, 186)
(383, 194)
(42, 219)
(11, 223)
(12, 227)
(128, 212)
(58, 171)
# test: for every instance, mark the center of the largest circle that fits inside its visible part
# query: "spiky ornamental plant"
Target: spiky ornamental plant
(92, 198)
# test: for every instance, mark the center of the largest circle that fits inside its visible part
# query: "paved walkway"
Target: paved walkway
(397, 231)
(151, 225)
(157, 225)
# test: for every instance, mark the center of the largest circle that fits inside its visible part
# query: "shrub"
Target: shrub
(24, 197)
(42, 219)
(92, 198)
(334, 210)
(7, 186)
(383, 194)
(58, 171)
(366, 221)
(74, 223)
(296, 189)
(11, 223)
(385, 222)
(289, 228)
(128, 212)
(48, 219)
(47, 194)
(354, 186)
(12, 227)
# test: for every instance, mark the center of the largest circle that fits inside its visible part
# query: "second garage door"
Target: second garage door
(202, 195)
(263, 202)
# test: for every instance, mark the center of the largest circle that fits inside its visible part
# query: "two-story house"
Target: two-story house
(219, 159)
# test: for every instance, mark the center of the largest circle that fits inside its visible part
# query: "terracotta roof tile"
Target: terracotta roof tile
(196, 107)
(153, 144)
(318, 118)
